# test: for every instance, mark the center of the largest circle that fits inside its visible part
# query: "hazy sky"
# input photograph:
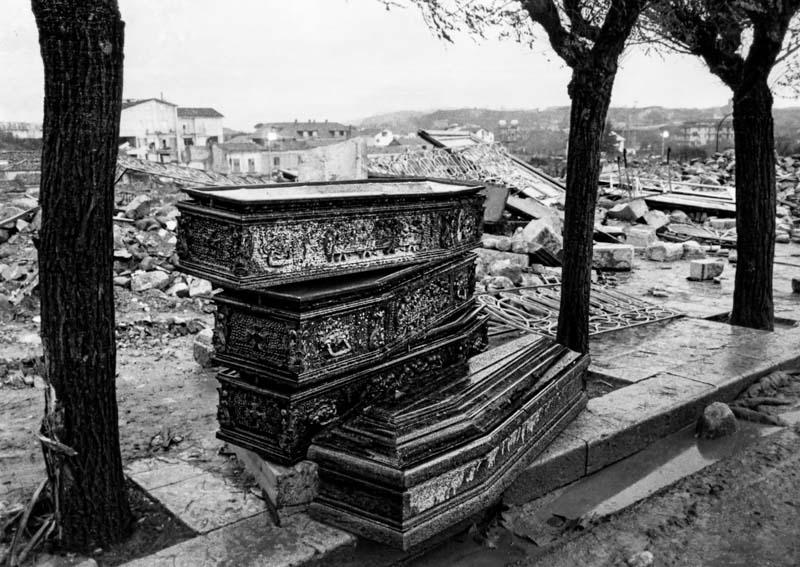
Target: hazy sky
(270, 60)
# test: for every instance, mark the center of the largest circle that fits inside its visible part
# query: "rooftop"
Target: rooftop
(129, 102)
(198, 113)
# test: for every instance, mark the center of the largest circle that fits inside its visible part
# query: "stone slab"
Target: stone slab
(206, 502)
(286, 485)
(643, 413)
(155, 473)
(255, 542)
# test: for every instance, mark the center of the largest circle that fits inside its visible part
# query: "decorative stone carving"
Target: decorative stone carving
(279, 424)
(404, 471)
(298, 334)
(249, 238)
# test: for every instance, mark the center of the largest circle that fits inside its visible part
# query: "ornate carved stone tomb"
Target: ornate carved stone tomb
(279, 423)
(401, 472)
(259, 236)
(302, 333)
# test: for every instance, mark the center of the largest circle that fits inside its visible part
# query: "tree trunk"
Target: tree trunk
(81, 44)
(755, 205)
(590, 91)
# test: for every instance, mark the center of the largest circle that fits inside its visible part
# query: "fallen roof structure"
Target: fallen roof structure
(185, 174)
(460, 155)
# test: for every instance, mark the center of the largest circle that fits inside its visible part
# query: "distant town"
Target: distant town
(161, 131)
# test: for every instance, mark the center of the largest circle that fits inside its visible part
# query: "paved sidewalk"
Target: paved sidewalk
(665, 374)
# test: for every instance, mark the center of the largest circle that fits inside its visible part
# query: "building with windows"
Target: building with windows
(200, 126)
(298, 131)
(707, 133)
(148, 129)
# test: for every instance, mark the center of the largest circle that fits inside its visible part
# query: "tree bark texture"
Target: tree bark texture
(590, 91)
(755, 204)
(81, 43)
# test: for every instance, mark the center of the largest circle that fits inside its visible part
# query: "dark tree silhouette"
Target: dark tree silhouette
(719, 32)
(589, 36)
(81, 44)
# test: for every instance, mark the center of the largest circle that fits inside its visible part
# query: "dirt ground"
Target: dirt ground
(740, 512)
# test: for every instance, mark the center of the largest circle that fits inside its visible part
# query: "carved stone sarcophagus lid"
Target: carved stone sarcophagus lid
(258, 236)
(402, 472)
(279, 423)
(305, 332)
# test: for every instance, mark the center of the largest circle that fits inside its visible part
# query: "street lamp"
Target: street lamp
(271, 137)
(664, 136)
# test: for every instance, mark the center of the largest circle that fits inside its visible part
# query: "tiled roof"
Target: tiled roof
(240, 147)
(298, 126)
(134, 101)
(198, 113)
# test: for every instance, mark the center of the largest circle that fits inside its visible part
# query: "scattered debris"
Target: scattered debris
(708, 269)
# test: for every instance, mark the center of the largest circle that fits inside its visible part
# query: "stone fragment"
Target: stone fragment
(138, 208)
(721, 224)
(489, 241)
(541, 233)
(141, 281)
(199, 286)
(503, 244)
(795, 285)
(640, 236)
(498, 282)
(692, 250)
(665, 251)
(4, 235)
(707, 269)
(486, 257)
(122, 281)
(641, 559)
(147, 223)
(518, 244)
(630, 211)
(733, 256)
(203, 347)
(178, 289)
(658, 292)
(147, 263)
(505, 268)
(656, 219)
(612, 256)
(717, 421)
(678, 216)
(783, 238)
(781, 211)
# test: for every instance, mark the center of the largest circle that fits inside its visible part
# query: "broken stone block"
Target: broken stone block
(783, 238)
(612, 256)
(640, 236)
(503, 244)
(141, 281)
(203, 349)
(781, 211)
(692, 250)
(721, 224)
(708, 269)
(178, 289)
(506, 269)
(486, 257)
(199, 286)
(494, 283)
(733, 256)
(641, 559)
(665, 251)
(680, 217)
(656, 219)
(294, 485)
(4, 235)
(122, 281)
(717, 421)
(490, 242)
(796, 285)
(138, 208)
(630, 211)
(542, 233)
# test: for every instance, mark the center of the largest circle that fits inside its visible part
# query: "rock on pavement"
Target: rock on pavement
(665, 251)
(612, 256)
(708, 269)
(717, 421)
(141, 281)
